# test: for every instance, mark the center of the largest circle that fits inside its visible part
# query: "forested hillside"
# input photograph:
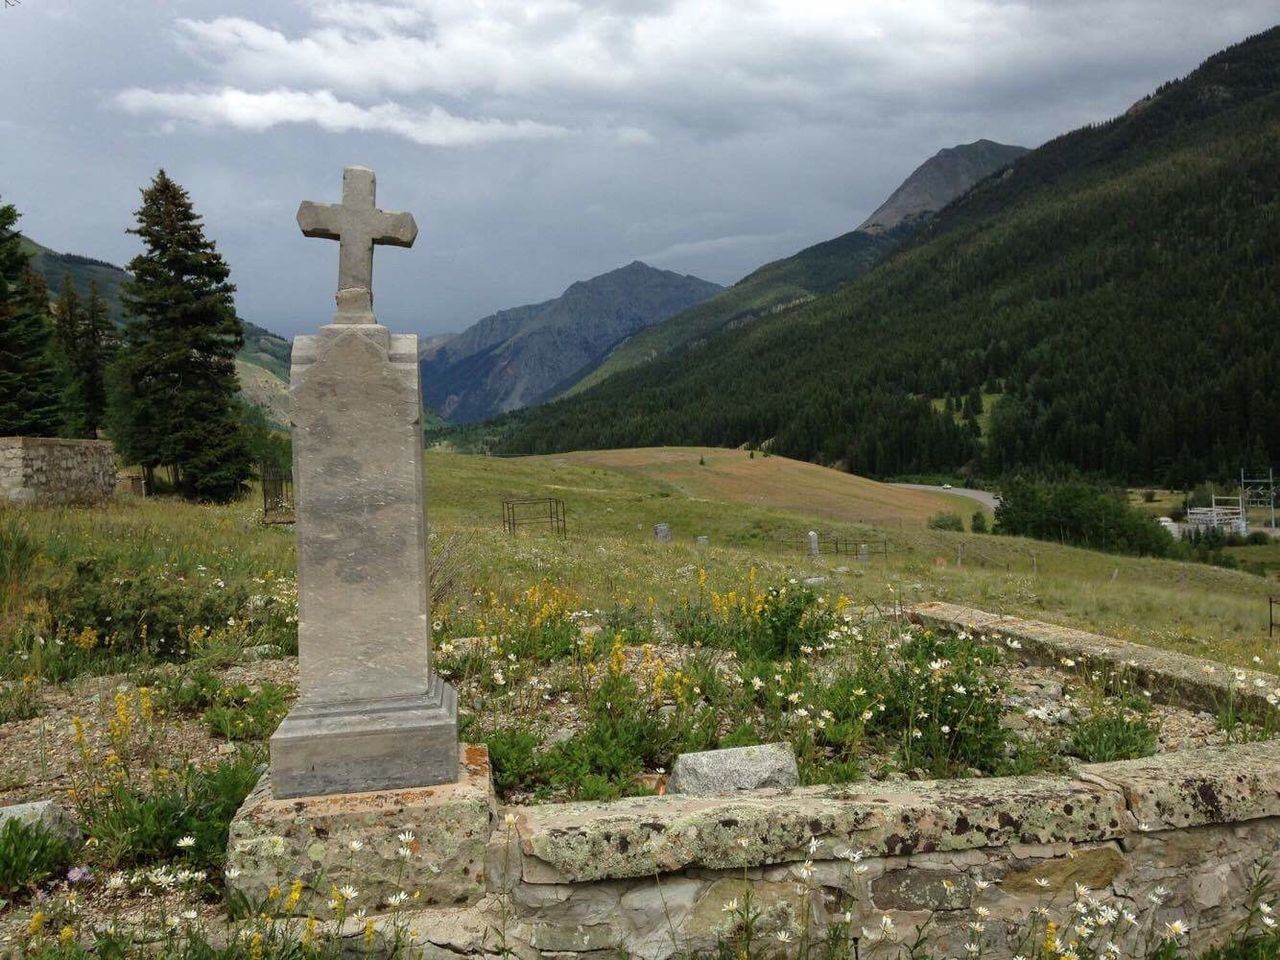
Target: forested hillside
(821, 268)
(55, 267)
(1119, 290)
(262, 348)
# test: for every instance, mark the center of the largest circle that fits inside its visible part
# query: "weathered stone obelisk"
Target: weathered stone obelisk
(371, 713)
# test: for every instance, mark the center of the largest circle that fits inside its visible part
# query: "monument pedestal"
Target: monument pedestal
(371, 714)
(362, 840)
(394, 742)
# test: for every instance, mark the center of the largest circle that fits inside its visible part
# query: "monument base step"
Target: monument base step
(357, 746)
(394, 849)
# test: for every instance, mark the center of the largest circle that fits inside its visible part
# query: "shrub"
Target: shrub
(19, 700)
(137, 823)
(978, 523)
(623, 734)
(242, 713)
(946, 521)
(1112, 733)
(1082, 515)
(148, 611)
(29, 854)
(181, 691)
(511, 752)
(941, 698)
(772, 625)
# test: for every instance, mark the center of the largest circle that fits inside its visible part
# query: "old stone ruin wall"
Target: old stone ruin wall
(36, 470)
(1174, 838)
(651, 876)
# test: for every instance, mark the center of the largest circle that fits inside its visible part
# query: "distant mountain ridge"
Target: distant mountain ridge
(821, 268)
(525, 354)
(939, 180)
(1105, 306)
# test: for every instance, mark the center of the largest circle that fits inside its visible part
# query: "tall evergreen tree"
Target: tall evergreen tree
(85, 341)
(99, 343)
(29, 397)
(174, 402)
(68, 319)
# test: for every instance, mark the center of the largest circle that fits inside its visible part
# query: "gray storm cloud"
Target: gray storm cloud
(543, 141)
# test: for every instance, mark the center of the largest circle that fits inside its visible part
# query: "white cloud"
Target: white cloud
(243, 110)
(647, 69)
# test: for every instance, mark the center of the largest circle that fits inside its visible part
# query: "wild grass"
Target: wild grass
(611, 561)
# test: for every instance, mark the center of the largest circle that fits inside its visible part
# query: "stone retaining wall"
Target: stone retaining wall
(37, 470)
(650, 876)
(1172, 838)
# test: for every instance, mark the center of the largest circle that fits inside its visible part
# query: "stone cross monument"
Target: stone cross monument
(371, 713)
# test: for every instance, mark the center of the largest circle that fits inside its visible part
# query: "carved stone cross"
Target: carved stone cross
(357, 224)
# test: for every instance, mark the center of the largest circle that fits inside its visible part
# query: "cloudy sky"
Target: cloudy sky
(543, 141)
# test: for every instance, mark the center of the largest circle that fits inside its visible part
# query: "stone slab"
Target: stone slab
(355, 839)
(1189, 788)
(395, 743)
(713, 772)
(574, 842)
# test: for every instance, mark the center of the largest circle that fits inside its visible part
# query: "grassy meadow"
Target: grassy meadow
(146, 653)
(745, 506)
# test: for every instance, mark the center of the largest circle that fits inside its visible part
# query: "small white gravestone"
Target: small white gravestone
(702, 542)
(862, 552)
(813, 544)
(662, 533)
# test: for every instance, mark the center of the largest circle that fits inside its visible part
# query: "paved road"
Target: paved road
(984, 497)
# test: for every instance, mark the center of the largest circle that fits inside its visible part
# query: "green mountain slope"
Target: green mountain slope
(54, 267)
(819, 269)
(1119, 288)
(262, 348)
(523, 355)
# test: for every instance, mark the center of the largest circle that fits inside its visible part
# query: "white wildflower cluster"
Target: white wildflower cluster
(160, 879)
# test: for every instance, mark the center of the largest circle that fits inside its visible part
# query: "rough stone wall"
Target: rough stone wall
(35, 470)
(1174, 838)
(650, 876)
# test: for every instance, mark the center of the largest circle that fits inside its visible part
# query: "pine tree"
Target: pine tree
(68, 320)
(98, 348)
(29, 396)
(174, 401)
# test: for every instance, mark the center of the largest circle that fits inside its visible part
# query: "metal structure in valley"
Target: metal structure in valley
(1259, 493)
(537, 511)
(861, 549)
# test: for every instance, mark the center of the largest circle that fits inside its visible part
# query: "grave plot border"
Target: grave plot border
(516, 514)
(650, 876)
